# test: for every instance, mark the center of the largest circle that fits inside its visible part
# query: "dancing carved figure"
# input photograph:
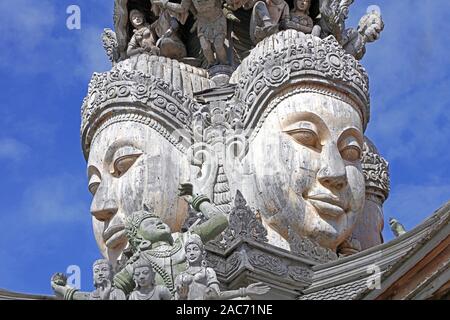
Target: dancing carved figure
(268, 17)
(369, 30)
(166, 30)
(211, 25)
(199, 282)
(151, 240)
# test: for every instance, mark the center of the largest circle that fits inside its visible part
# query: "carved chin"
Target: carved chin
(326, 224)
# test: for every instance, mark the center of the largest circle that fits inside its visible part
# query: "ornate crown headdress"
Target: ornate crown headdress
(291, 58)
(375, 170)
(133, 222)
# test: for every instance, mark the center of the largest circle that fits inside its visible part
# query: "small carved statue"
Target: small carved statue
(268, 17)
(166, 30)
(199, 282)
(397, 228)
(300, 19)
(146, 289)
(152, 240)
(103, 282)
(369, 29)
(211, 25)
(144, 39)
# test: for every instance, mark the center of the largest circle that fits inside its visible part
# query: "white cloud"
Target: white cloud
(13, 150)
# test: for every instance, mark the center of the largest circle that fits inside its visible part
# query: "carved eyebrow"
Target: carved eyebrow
(116, 146)
(294, 118)
(93, 170)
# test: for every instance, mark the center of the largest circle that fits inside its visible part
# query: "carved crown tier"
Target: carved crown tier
(291, 58)
(153, 90)
(376, 170)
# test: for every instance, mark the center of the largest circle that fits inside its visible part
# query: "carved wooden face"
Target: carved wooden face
(194, 253)
(143, 276)
(307, 168)
(130, 165)
(102, 272)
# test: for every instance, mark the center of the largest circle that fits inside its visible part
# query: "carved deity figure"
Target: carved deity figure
(369, 30)
(146, 288)
(199, 282)
(268, 17)
(166, 30)
(211, 25)
(300, 19)
(152, 240)
(143, 39)
(103, 282)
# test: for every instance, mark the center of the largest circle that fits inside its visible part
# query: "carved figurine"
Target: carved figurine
(333, 15)
(103, 282)
(268, 17)
(397, 228)
(146, 289)
(152, 240)
(144, 39)
(166, 30)
(211, 25)
(300, 19)
(199, 282)
(369, 29)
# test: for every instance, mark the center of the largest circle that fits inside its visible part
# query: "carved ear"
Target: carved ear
(204, 167)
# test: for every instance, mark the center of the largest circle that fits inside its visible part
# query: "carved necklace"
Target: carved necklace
(165, 254)
(143, 296)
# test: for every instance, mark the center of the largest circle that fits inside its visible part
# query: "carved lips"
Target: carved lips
(114, 235)
(327, 204)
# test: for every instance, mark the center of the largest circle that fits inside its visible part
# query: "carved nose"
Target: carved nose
(332, 174)
(104, 207)
(105, 214)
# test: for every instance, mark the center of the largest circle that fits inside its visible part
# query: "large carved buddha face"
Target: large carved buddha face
(130, 165)
(307, 169)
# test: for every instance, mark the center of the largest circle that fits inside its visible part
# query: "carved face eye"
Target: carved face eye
(123, 164)
(351, 153)
(305, 137)
(124, 159)
(350, 149)
(94, 182)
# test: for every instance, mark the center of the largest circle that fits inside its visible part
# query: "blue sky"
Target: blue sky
(45, 69)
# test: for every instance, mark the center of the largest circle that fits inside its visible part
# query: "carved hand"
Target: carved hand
(183, 291)
(105, 290)
(257, 289)
(186, 190)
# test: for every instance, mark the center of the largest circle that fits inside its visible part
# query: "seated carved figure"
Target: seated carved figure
(151, 240)
(199, 282)
(103, 282)
(166, 30)
(300, 19)
(146, 289)
(143, 39)
(268, 17)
